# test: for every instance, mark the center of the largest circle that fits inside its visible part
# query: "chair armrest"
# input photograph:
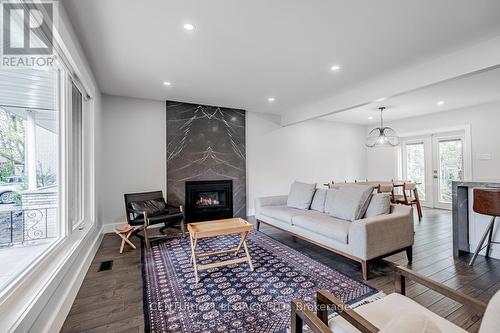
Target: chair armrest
(376, 236)
(302, 315)
(403, 273)
(326, 298)
(279, 200)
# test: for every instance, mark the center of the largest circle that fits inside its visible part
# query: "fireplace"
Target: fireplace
(209, 200)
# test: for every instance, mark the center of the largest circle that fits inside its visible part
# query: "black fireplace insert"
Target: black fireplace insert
(208, 200)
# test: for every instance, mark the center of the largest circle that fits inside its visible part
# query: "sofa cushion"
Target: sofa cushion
(301, 195)
(414, 323)
(382, 311)
(348, 202)
(282, 213)
(322, 224)
(491, 320)
(380, 204)
(318, 202)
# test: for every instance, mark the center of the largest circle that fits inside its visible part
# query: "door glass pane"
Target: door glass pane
(450, 166)
(415, 166)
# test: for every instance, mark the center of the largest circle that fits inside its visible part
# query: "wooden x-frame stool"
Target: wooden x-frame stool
(216, 228)
(125, 232)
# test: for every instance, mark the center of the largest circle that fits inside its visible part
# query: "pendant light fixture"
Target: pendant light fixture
(382, 136)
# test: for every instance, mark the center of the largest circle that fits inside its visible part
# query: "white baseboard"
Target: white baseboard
(109, 227)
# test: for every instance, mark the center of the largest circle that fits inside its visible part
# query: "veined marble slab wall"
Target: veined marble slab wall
(205, 143)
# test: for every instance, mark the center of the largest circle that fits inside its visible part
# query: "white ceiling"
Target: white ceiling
(459, 93)
(242, 52)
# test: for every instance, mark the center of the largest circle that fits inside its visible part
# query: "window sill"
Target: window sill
(27, 295)
(17, 259)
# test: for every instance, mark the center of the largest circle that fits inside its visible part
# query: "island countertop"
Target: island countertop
(463, 241)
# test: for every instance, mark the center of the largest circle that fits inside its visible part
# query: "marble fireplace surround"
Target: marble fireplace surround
(205, 143)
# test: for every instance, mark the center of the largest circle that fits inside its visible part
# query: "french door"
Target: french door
(434, 161)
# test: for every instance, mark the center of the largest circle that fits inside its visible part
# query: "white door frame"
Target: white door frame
(420, 136)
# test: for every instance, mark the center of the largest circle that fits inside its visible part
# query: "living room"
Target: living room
(249, 166)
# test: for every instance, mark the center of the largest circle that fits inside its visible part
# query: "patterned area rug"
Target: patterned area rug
(232, 298)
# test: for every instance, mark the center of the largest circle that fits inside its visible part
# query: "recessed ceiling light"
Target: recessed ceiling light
(188, 27)
(166, 83)
(270, 99)
(335, 68)
(440, 103)
(370, 118)
(381, 99)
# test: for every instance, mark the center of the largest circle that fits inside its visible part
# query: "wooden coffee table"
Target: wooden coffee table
(216, 228)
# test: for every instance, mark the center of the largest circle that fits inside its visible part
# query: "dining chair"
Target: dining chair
(387, 188)
(410, 197)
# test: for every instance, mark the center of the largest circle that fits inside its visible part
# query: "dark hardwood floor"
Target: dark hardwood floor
(111, 301)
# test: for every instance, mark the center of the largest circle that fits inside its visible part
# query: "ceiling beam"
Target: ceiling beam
(467, 61)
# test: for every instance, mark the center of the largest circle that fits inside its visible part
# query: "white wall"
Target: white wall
(313, 151)
(483, 120)
(134, 152)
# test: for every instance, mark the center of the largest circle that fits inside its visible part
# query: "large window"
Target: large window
(29, 166)
(35, 133)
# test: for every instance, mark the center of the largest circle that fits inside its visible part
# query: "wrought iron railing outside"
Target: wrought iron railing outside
(19, 226)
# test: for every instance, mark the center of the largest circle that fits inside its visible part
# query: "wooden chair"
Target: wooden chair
(410, 197)
(380, 312)
(387, 188)
(141, 220)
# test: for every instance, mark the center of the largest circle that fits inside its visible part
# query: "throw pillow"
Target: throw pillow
(301, 195)
(318, 202)
(151, 207)
(380, 204)
(348, 202)
(410, 323)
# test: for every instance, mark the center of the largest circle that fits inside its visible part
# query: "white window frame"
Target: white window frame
(76, 170)
(67, 234)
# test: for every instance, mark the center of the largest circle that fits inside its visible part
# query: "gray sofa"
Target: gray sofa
(361, 240)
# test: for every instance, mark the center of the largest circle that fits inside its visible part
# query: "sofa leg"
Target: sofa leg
(257, 224)
(409, 254)
(364, 269)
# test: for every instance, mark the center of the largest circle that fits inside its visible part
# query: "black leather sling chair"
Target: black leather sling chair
(148, 208)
